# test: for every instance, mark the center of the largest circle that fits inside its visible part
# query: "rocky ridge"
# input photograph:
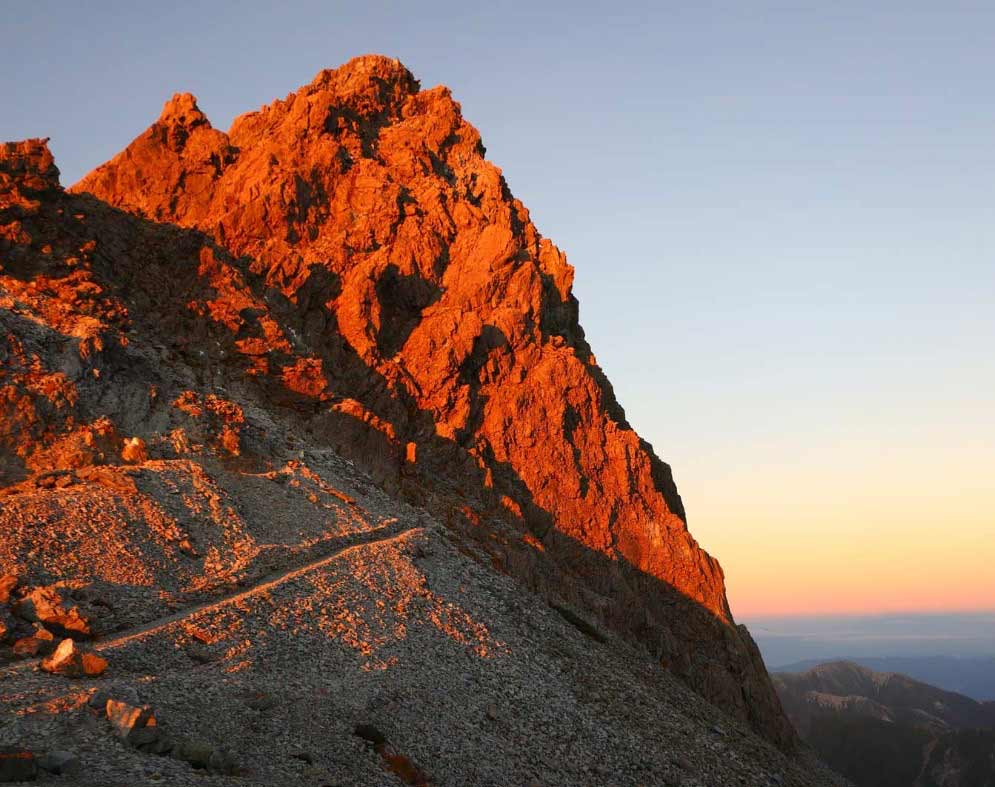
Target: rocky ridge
(420, 302)
(227, 356)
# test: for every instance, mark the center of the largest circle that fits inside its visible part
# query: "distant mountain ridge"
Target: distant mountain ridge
(972, 676)
(884, 729)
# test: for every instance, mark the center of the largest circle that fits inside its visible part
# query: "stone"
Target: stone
(98, 700)
(130, 722)
(39, 643)
(45, 605)
(59, 762)
(17, 765)
(221, 761)
(161, 745)
(201, 653)
(8, 582)
(71, 660)
(64, 660)
(93, 665)
(134, 451)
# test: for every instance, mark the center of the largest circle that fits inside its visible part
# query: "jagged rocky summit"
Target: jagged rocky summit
(341, 284)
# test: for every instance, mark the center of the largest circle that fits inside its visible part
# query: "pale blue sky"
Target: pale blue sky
(780, 215)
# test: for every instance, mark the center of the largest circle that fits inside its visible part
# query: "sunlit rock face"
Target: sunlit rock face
(345, 270)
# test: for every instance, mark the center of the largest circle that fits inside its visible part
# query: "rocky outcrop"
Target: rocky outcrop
(369, 205)
(347, 262)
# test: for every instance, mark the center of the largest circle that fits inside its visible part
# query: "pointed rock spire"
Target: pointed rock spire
(182, 110)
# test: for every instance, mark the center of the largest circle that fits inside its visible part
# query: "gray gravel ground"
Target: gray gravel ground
(470, 678)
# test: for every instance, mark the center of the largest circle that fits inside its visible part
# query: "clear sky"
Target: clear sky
(780, 216)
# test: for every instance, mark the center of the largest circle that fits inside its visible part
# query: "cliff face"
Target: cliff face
(360, 271)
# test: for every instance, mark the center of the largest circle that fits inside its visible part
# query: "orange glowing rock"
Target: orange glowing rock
(28, 647)
(7, 584)
(438, 282)
(45, 605)
(134, 451)
(130, 722)
(93, 665)
(70, 660)
(348, 262)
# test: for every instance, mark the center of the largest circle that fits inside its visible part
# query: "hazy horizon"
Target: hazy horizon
(785, 640)
(778, 218)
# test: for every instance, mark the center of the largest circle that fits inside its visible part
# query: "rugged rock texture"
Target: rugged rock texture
(883, 729)
(370, 207)
(389, 281)
(305, 410)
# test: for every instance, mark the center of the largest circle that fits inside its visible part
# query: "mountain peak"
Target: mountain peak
(366, 68)
(423, 327)
(182, 110)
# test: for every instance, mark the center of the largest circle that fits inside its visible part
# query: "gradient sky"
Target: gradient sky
(780, 216)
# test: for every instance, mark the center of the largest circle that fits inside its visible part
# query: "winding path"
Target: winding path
(380, 535)
(394, 533)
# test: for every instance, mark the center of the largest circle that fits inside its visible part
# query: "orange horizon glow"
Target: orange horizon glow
(866, 615)
(852, 528)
